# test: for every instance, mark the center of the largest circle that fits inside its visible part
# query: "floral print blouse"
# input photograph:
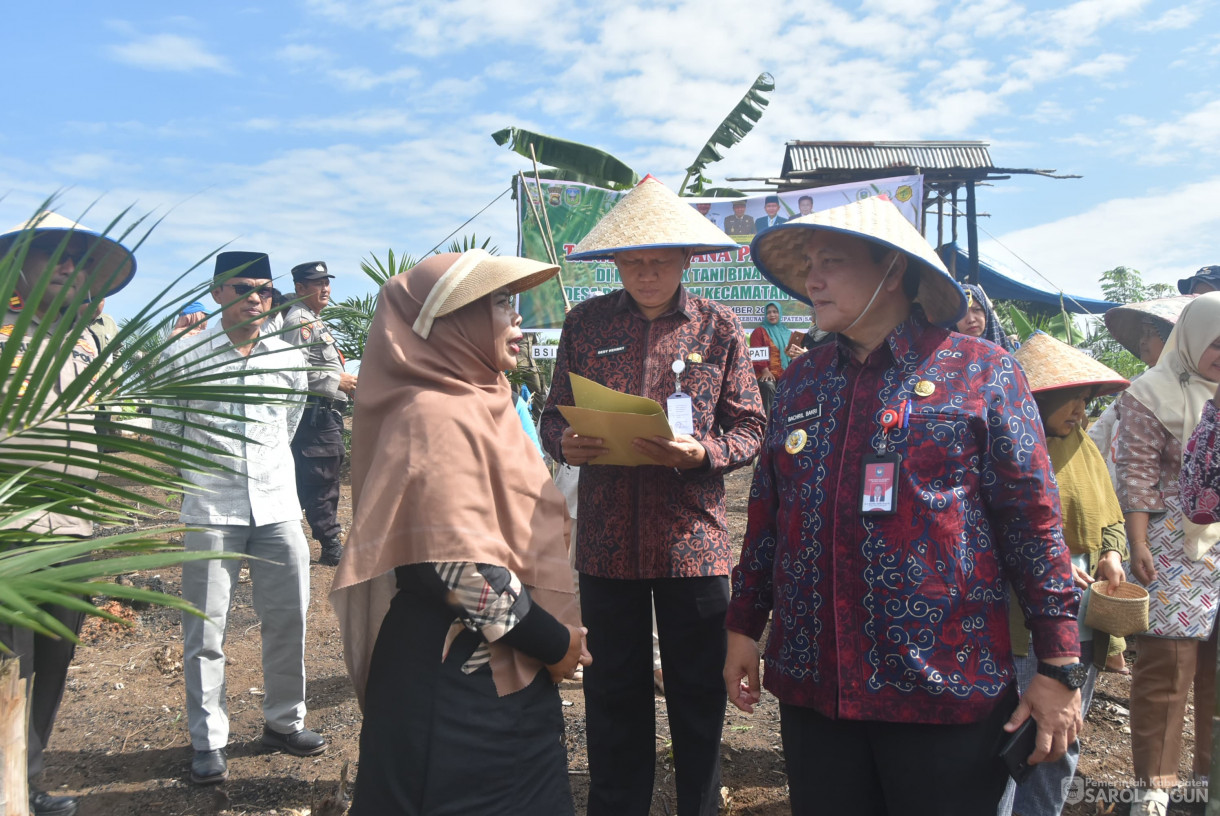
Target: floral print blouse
(1147, 458)
(1200, 477)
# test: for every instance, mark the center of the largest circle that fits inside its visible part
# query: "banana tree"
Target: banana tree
(740, 121)
(573, 161)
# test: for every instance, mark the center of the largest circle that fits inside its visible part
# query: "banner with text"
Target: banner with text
(727, 277)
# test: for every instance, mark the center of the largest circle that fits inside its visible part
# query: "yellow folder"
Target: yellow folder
(616, 418)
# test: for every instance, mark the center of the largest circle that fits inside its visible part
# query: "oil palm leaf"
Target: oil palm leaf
(49, 459)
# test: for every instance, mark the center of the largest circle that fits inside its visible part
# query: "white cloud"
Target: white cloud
(1175, 18)
(362, 122)
(362, 79)
(169, 52)
(1081, 21)
(1102, 65)
(1164, 234)
(1194, 131)
(305, 54)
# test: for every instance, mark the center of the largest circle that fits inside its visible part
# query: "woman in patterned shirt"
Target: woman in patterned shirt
(1170, 555)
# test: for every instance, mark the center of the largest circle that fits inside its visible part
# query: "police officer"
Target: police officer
(72, 257)
(318, 444)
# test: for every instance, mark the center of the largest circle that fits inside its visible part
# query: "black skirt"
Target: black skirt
(438, 742)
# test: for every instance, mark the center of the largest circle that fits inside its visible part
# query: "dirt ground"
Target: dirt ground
(121, 741)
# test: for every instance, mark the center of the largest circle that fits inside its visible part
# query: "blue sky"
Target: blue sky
(333, 129)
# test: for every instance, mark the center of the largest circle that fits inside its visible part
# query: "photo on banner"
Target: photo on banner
(729, 278)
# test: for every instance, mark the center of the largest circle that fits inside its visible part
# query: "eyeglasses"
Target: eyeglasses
(244, 290)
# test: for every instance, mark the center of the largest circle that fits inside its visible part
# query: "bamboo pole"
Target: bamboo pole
(550, 253)
(548, 244)
(14, 725)
(547, 233)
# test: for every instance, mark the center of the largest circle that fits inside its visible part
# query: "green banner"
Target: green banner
(573, 209)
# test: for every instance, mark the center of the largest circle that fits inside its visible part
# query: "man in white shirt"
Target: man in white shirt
(249, 505)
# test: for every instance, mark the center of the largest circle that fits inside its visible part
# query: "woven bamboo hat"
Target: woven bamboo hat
(113, 264)
(1122, 614)
(1050, 364)
(779, 253)
(650, 217)
(473, 274)
(1126, 322)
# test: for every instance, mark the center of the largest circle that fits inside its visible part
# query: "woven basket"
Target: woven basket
(1123, 613)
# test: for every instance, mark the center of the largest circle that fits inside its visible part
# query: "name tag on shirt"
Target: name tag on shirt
(809, 413)
(606, 352)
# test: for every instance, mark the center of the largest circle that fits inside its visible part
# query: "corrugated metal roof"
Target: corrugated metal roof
(803, 158)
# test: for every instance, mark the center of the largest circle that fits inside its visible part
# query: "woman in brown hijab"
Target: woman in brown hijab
(454, 594)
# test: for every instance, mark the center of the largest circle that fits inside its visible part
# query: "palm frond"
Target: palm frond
(49, 460)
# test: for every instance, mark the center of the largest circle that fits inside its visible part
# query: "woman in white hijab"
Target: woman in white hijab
(1170, 554)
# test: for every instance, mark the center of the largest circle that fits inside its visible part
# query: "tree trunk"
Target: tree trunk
(14, 722)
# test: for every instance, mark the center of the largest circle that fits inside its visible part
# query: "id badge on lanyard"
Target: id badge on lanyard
(879, 470)
(679, 408)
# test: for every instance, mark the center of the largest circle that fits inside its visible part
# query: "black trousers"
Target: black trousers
(619, 703)
(317, 450)
(881, 768)
(766, 389)
(436, 741)
(47, 659)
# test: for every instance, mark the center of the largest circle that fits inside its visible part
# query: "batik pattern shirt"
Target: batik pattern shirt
(903, 617)
(1200, 476)
(651, 521)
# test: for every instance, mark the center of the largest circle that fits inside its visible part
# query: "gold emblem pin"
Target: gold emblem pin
(924, 388)
(795, 443)
(694, 357)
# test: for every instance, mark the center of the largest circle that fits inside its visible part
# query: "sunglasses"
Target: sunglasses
(244, 290)
(73, 250)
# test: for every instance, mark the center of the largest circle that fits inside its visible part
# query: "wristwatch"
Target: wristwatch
(1072, 675)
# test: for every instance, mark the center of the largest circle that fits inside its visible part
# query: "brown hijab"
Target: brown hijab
(441, 467)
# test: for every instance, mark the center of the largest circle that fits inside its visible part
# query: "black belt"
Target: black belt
(326, 404)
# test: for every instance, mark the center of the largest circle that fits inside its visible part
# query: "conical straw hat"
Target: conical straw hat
(473, 274)
(1050, 364)
(113, 264)
(779, 253)
(1126, 322)
(650, 217)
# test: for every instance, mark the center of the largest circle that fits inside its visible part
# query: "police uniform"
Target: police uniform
(49, 657)
(43, 660)
(739, 224)
(317, 447)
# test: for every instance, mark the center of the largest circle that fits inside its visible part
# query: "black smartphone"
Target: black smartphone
(1017, 748)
